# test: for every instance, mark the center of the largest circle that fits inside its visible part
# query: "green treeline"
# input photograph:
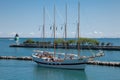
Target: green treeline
(81, 41)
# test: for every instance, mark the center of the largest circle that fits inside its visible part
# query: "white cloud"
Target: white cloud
(73, 32)
(100, 33)
(12, 33)
(95, 32)
(32, 33)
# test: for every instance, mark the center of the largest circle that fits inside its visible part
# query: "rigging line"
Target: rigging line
(59, 14)
(91, 50)
(41, 35)
(75, 35)
(52, 36)
(63, 35)
(49, 17)
(52, 32)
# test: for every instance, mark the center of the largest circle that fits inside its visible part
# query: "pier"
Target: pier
(29, 58)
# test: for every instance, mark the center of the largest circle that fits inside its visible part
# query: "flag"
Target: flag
(50, 27)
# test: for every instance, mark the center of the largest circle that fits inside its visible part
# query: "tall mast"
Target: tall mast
(43, 25)
(66, 27)
(54, 27)
(78, 27)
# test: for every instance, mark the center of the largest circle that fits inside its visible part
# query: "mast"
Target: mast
(66, 27)
(54, 28)
(43, 26)
(78, 28)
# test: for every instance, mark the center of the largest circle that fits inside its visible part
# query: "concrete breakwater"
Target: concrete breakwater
(29, 58)
(117, 48)
(104, 63)
(16, 58)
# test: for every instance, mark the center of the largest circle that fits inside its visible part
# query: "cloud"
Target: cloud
(73, 32)
(95, 32)
(12, 33)
(100, 32)
(32, 33)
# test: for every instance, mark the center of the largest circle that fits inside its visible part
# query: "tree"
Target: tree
(71, 41)
(87, 41)
(58, 41)
(29, 41)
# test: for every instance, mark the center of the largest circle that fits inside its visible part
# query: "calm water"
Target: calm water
(28, 70)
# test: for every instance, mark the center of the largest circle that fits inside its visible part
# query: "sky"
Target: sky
(98, 18)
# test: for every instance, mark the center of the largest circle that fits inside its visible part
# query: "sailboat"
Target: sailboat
(62, 60)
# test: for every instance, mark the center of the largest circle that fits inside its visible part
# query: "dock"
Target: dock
(29, 58)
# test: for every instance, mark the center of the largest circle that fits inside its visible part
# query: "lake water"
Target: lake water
(28, 70)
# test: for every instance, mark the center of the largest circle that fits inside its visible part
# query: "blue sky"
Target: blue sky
(98, 18)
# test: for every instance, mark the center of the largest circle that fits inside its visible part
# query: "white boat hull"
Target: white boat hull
(68, 64)
(77, 67)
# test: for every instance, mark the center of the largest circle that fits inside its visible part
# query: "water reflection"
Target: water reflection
(58, 74)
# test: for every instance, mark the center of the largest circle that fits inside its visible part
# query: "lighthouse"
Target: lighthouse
(16, 39)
